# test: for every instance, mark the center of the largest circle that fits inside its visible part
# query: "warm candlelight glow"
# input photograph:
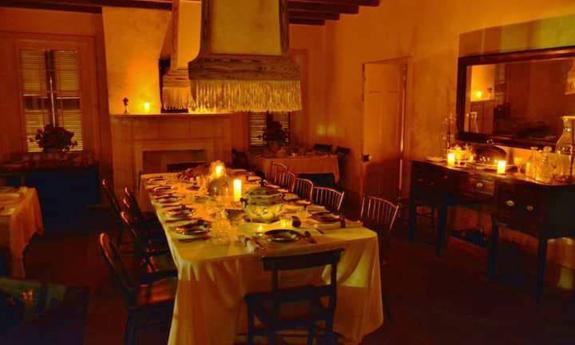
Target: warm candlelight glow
(147, 107)
(451, 158)
(219, 170)
(501, 167)
(237, 189)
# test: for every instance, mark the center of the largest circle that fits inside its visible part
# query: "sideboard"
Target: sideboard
(544, 211)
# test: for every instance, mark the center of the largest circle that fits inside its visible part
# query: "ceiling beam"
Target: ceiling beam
(309, 12)
(313, 15)
(322, 6)
(86, 5)
(306, 21)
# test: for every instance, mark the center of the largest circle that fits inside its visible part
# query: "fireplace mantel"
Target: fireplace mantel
(134, 134)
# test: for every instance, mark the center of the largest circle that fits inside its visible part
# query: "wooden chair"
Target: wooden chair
(290, 180)
(116, 207)
(286, 179)
(275, 170)
(379, 215)
(147, 220)
(328, 197)
(152, 253)
(303, 188)
(321, 300)
(148, 303)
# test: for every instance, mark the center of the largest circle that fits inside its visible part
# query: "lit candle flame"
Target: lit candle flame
(501, 167)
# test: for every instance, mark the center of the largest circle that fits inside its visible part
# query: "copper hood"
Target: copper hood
(243, 62)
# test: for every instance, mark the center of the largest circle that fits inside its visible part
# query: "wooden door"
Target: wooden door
(384, 89)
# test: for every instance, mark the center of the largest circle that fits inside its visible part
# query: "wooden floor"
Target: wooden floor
(432, 301)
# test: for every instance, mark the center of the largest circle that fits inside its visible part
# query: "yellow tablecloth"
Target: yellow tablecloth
(315, 164)
(20, 219)
(214, 276)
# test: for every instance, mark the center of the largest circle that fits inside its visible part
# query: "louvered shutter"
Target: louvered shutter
(257, 126)
(38, 68)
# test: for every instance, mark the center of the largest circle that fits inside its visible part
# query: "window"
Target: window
(257, 125)
(51, 92)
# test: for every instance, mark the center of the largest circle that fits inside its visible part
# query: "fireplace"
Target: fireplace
(157, 161)
(158, 143)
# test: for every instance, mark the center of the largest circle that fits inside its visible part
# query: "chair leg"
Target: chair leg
(311, 335)
(130, 331)
(271, 337)
(250, 336)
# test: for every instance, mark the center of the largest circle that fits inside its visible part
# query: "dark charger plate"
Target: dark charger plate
(283, 235)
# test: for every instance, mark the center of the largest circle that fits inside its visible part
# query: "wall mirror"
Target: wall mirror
(515, 99)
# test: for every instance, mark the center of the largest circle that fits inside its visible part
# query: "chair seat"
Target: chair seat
(159, 292)
(161, 263)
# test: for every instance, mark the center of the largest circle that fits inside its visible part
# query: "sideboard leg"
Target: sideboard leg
(541, 262)
(492, 253)
(412, 226)
(441, 230)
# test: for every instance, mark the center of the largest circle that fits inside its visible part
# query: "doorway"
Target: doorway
(384, 91)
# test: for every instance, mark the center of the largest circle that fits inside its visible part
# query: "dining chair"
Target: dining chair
(116, 207)
(379, 215)
(148, 302)
(319, 300)
(152, 253)
(275, 170)
(328, 197)
(290, 180)
(303, 188)
(147, 220)
(285, 179)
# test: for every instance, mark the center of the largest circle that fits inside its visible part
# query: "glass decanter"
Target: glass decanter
(564, 150)
(546, 167)
(532, 163)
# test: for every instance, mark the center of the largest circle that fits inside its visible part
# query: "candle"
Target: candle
(501, 167)
(147, 107)
(237, 189)
(219, 170)
(451, 159)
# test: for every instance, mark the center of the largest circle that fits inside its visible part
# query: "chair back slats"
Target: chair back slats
(289, 180)
(116, 266)
(277, 264)
(111, 196)
(378, 214)
(303, 188)
(275, 171)
(328, 197)
(298, 262)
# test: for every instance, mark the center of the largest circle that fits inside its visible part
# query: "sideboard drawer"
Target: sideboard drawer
(432, 183)
(478, 186)
(520, 207)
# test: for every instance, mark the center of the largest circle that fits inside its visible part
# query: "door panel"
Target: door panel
(382, 114)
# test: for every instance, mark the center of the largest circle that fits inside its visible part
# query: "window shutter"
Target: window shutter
(38, 67)
(35, 93)
(257, 126)
(68, 93)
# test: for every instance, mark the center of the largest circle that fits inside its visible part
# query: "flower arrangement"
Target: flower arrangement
(275, 133)
(54, 139)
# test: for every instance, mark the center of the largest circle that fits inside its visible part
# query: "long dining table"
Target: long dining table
(216, 272)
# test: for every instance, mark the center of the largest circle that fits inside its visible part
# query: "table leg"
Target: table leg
(493, 246)
(541, 261)
(441, 230)
(412, 227)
